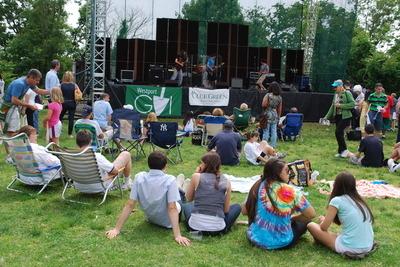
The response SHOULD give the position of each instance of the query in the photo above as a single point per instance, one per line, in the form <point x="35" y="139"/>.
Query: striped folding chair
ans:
<point x="97" y="144"/>
<point x="81" y="171"/>
<point x="27" y="169"/>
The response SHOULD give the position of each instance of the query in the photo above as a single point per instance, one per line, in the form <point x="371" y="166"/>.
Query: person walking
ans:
<point x="340" y="110"/>
<point x="272" y="104"/>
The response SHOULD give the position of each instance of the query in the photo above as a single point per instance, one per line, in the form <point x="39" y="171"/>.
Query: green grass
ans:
<point x="45" y="231"/>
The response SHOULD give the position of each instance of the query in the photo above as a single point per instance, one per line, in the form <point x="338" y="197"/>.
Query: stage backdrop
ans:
<point x="164" y="101"/>
<point x="312" y="105"/>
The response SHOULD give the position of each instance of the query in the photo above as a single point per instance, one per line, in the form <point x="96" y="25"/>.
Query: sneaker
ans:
<point x="281" y="155"/>
<point x="344" y="153"/>
<point x="127" y="185"/>
<point x="337" y="155"/>
<point x="180" y="179"/>
<point x="392" y="165"/>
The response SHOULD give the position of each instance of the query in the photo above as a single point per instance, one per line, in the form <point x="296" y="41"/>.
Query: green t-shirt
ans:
<point x="377" y="100"/>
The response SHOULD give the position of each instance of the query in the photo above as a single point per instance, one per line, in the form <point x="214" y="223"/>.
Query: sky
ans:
<point x="162" y="8"/>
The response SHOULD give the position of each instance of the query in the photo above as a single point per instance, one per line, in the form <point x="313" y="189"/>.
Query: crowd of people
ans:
<point x="278" y="214"/>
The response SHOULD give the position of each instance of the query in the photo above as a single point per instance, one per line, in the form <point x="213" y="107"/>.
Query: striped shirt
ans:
<point x="377" y="100"/>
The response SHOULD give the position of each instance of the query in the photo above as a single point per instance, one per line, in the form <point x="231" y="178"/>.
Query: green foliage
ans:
<point x="78" y="34"/>
<point x="43" y="38"/>
<point x="257" y="20"/>
<point x="332" y="44"/>
<point x="45" y="231"/>
<point x="12" y="18"/>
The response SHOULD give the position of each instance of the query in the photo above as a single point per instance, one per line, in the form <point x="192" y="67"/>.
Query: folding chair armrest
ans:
<point x="49" y="145"/>
<point x="112" y="176"/>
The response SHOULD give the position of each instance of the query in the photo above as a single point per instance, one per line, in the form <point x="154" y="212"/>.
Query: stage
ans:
<point x="312" y="105"/>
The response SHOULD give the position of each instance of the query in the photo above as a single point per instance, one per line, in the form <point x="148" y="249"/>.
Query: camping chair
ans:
<point x="127" y="127"/>
<point x="98" y="145"/>
<point x="28" y="171"/>
<point x="292" y="128"/>
<point x="165" y="135"/>
<point x="200" y="121"/>
<point x="81" y="167"/>
<point x="212" y="126"/>
<point x="241" y="118"/>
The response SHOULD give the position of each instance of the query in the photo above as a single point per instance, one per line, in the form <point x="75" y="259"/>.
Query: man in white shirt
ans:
<point x="108" y="169"/>
<point x="51" y="76"/>
<point x="157" y="194"/>
<point x="86" y="119"/>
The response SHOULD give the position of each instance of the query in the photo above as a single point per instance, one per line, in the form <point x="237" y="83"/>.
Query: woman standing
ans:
<point x="211" y="211"/>
<point x="342" y="104"/>
<point x="270" y="209"/>
<point x="68" y="87"/>
<point x="272" y="104"/>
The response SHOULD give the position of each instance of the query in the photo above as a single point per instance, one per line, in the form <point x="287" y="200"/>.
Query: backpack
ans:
<point x="300" y="172"/>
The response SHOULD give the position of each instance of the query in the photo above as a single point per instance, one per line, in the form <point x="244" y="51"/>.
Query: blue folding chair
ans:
<point x="127" y="128"/>
<point x="165" y="135"/>
<point x="292" y="128"/>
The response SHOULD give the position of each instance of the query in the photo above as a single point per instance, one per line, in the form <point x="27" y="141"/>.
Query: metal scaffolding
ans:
<point x="95" y="56"/>
<point x="309" y="40"/>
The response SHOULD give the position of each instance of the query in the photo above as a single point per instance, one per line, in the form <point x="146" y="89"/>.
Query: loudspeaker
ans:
<point x="171" y="83"/>
<point x="222" y="85"/>
<point x="156" y="75"/>
<point x="237" y="83"/>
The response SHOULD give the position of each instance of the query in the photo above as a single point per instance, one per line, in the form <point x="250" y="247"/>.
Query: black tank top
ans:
<point x="68" y="90"/>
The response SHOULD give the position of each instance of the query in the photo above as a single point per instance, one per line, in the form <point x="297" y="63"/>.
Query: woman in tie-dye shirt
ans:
<point x="270" y="206"/>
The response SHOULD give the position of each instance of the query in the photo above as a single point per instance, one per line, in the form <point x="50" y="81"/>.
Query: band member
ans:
<point x="264" y="70"/>
<point x="178" y="66"/>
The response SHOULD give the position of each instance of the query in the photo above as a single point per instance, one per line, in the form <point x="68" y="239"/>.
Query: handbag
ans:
<point x="300" y="172"/>
<point x="263" y="120"/>
<point x="77" y="94"/>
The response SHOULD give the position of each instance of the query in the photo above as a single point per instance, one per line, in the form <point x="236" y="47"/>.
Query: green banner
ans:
<point x="164" y="101"/>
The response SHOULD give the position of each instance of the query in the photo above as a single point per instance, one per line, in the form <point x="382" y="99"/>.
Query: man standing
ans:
<point x="228" y="144"/>
<point x="102" y="111"/>
<point x="264" y="70"/>
<point x="178" y="66"/>
<point x="13" y="100"/>
<point x="51" y="76"/>
<point x="377" y="104"/>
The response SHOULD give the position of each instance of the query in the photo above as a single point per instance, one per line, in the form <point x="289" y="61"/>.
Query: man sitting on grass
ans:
<point x="108" y="170"/>
<point x="157" y="194"/>
<point x="372" y="148"/>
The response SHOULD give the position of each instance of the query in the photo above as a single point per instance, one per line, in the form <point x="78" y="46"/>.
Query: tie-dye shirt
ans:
<point x="271" y="228"/>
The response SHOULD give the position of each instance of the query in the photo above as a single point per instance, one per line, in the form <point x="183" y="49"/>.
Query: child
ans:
<point x="372" y="148"/>
<point x="346" y="208"/>
<point x="259" y="153"/>
<point x="151" y="117"/>
<point x="277" y="212"/>
<point x="188" y="122"/>
<point x="52" y="121"/>
<point x="211" y="211"/>
<point x="157" y="194"/>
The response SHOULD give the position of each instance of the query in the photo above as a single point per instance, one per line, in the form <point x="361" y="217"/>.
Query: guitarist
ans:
<point x="180" y="61"/>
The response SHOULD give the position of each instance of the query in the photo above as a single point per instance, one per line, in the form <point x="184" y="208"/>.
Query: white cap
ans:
<point x="357" y="88"/>
<point x="128" y="106"/>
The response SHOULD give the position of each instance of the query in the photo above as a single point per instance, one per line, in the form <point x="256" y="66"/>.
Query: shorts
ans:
<point x="262" y="154"/>
<point x="340" y="248"/>
<point x="13" y="119"/>
<point x="394" y="116"/>
<point x="54" y="131"/>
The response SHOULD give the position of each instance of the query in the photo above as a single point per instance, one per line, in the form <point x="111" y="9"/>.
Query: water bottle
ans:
<point x="314" y="176"/>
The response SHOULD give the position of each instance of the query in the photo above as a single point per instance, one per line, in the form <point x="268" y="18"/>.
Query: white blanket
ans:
<point x="242" y="184"/>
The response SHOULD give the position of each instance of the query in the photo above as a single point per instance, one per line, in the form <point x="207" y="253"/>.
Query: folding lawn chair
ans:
<point x="28" y="171"/>
<point x="292" y="128"/>
<point x="242" y="118"/>
<point x="127" y="128"/>
<point x="212" y="126"/>
<point x="81" y="171"/>
<point x="97" y="144"/>
<point x="165" y="135"/>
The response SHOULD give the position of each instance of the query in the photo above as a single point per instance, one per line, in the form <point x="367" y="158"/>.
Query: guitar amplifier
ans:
<point x="156" y="74"/>
<point x="237" y="83"/>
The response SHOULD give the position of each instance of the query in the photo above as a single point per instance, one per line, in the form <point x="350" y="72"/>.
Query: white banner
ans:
<point x="205" y="97"/>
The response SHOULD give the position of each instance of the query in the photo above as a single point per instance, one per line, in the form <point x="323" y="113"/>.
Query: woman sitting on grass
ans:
<point x="259" y="153"/>
<point x="210" y="212"/>
<point x="347" y="208"/>
<point x="270" y="206"/>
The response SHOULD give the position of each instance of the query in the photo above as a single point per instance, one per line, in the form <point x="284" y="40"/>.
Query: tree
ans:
<point x="258" y="21"/>
<point x="43" y="37"/>
<point x="12" y="18"/>
<point x="380" y="19"/>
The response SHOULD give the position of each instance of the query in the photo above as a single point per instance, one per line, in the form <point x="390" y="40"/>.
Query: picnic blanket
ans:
<point x="242" y="184"/>
<point x="367" y="189"/>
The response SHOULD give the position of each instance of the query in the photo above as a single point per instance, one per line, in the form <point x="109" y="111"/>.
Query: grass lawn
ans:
<point x="45" y="231"/>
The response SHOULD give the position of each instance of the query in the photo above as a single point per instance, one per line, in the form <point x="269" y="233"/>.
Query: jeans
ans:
<point x="341" y="125"/>
<point x="376" y="119"/>
<point x="298" y="229"/>
<point x="230" y="217"/>
<point x="270" y="134"/>
<point x="177" y="74"/>
<point x="69" y="106"/>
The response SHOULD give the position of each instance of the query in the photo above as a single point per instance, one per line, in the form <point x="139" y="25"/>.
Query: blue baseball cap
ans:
<point x="337" y="83"/>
